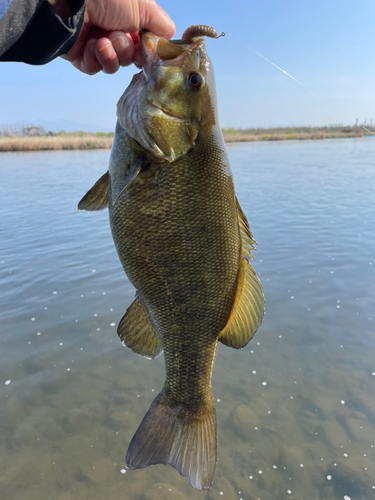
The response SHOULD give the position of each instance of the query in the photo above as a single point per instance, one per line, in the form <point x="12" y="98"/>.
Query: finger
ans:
<point x="157" y="21"/>
<point x="138" y="60"/>
<point x="123" y="46"/>
<point x="106" y="55"/>
<point x="138" y="56"/>
<point x="87" y="62"/>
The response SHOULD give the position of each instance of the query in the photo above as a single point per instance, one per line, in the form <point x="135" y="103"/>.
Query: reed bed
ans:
<point x="41" y="143"/>
<point x="54" y="143"/>
<point x="241" y="137"/>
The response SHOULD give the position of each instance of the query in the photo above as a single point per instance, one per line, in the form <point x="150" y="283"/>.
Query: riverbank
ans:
<point x="244" y="137"/>
<point x="91" y="141"/>
<point x="41" y="143"/>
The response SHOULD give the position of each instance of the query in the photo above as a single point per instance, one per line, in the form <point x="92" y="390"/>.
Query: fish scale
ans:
<point x="183" y="242"/>
<point x="191" y="269"/>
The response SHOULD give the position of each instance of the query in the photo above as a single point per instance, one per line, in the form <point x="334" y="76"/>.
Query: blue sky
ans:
<point x="326" y="45"/>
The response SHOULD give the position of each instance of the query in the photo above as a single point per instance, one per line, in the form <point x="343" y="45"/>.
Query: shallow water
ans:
<point x="295" y="408"/>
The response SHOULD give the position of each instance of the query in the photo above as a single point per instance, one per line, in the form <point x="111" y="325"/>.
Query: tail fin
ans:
<point x="177" y="436"/>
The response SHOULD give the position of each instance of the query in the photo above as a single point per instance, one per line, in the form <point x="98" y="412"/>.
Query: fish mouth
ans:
<point x="160" y="51"/>
<point x="148" y="42"/>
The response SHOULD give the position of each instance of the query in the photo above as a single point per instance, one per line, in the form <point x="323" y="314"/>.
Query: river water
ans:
<point x="295" y="408"/>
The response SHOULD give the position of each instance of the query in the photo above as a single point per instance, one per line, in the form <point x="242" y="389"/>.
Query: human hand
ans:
<point x="109" y="35"/>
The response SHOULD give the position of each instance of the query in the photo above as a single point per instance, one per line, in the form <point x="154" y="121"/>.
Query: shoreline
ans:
<point x="90" y="142"/>
<point x="46" y="143"/>
<point x="299" y="136"/>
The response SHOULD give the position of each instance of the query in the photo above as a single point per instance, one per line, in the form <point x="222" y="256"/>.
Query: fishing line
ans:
<point x="295" y="79"/>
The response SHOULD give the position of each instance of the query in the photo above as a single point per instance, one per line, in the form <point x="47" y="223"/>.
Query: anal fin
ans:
<point x="136" y="332"/>
<point x="248" y="307"/>
<point x="97" y="197"/>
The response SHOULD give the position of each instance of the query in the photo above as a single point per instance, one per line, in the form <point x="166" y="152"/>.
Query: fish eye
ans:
<point x="195" y="81"/>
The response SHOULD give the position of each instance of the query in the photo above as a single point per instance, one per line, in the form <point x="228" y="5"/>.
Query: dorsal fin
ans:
<point x="248" y="307"/>
<point x="136" y="332"/>
<point x="246" y="237"/>
<point x="97" y="197"/>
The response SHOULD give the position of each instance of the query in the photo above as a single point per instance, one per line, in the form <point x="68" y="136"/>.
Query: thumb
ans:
<point x="156" y="20"/>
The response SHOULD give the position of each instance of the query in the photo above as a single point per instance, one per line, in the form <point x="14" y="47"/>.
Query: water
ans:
<point x="295" y="408"/>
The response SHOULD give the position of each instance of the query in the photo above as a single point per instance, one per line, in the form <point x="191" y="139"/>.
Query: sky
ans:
<point x="327" y="45"/>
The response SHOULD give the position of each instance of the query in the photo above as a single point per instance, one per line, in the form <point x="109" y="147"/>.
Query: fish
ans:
<point x="184" y="243"/>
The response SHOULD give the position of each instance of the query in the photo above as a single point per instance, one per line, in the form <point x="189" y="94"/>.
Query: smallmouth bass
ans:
<point x="184" y="244"/>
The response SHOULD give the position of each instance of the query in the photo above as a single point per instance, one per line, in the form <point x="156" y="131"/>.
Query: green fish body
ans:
<point x="184" y="244"/>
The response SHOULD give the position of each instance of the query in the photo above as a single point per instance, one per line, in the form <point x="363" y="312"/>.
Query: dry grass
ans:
<point x="54" y="143"/>
<point x="94" y="142"/>
<point x="241" y="137"/>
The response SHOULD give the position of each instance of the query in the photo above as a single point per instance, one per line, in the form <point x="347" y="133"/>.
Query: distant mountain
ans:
<point x="55" y="126"/>
<point x="70" y="126"/>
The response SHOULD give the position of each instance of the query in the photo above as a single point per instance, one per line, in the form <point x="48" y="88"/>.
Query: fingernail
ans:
<point x="119" y="43"/>
<point x="106" y="50"/>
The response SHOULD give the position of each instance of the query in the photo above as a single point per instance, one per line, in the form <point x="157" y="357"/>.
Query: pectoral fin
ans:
<point x="131" y="175"/>
<point x="136" y="332"/>
<point x="248" y="307"/>
<point x="97" y="197"/>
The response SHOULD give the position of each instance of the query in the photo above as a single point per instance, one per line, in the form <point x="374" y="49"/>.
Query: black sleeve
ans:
<point x="31" y="31"/>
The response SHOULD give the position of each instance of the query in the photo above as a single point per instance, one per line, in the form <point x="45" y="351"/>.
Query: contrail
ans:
<point x="295" y="79"/>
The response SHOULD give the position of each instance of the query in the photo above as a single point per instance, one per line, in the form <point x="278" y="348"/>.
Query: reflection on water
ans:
<point x="295" y="408"/>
